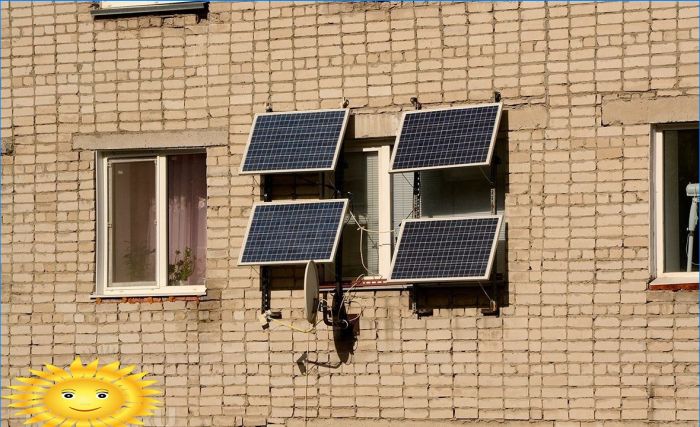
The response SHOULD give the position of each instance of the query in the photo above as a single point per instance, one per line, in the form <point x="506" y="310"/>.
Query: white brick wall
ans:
<point x="581" y="340"/>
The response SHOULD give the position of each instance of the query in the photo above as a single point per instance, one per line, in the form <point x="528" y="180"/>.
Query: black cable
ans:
<point x="330" y="186"/>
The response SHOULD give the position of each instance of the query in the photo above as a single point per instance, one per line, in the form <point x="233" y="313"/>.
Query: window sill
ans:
<point x="383" y="285"/>
<point x="674" y="284"/>
<point x="194" y="291"/>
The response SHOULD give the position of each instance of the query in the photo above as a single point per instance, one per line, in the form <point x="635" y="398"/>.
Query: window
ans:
<point x="124" y="8"/>
<point x="367" y="250"/>
<point x="151" y="224"/>
<point x="453" y="147"/>
<point x="380" y="201"/>
<point x="675" y="166"/>
<point x="115" y="4"/>
<point x="465" y="191"/>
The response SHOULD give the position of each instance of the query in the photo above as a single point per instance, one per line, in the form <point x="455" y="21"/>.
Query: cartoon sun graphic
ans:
<point x="87" y="396"/>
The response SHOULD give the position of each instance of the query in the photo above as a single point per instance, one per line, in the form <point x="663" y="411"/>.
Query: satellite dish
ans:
<point x="311" y="292"/>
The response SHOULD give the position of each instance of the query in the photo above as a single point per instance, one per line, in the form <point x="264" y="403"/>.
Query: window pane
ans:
<point x="361" y="180"/>
<point x="680" y="168"/>
<point x="187" y="219"/>
<point x="443" y="192"/>
<point x="402" y="200"/>
<point x="464" y="191"/>
<point x="133" y="219"/>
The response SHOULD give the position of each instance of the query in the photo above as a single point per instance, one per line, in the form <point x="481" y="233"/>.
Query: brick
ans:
<point x="580" y="341"/>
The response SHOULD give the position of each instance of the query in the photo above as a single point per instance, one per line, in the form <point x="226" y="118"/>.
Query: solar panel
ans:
<point x="445" y="249"/>
<point x="293" y="232"/>
<point x="446" y="138"/>
<point x="299" y="141"/>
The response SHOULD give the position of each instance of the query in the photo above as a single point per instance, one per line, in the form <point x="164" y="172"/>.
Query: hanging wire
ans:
<point x="363" y="230"/>
<point x="367" y="230"/>
<point x="362" y="258"/>
<point x="491" y="300"/>
<point x="306" y="386"/>
<point x="349" y="297"/>
<point x="291" y="326"/>
<point x="485" y="176"/>
<point x="296" y="328"/>
<point x="403" y="175"/>
<point x="326" y="185"/>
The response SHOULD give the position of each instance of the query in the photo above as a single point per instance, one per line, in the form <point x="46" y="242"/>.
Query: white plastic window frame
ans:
<point x="160" y="288"/>
<point x="124" y="8"/>
<point x="657" y="250"/>
<point x="384" y="215"/>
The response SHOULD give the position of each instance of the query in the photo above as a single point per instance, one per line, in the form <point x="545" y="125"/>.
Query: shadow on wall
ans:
<point x="344" y="342"/>
<point x="426" y="298"/>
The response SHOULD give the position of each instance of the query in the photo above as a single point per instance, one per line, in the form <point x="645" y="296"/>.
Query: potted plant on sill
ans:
<point x="138" y="261"/>
<point x="182" y="269"/>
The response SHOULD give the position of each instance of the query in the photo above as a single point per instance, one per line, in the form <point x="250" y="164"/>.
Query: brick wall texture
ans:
<point x="581" y="341"/>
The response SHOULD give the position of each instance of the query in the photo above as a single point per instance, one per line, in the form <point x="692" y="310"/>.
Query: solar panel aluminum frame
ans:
<point x="491" y="145"/>
<point x="335" y="155"/>
<point x="298" y="202"/>
<point x="489" y="266"/>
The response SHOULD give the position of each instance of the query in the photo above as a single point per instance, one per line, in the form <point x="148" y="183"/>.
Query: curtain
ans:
<point x="133" y="218"/>
<point x="187" y="212"/>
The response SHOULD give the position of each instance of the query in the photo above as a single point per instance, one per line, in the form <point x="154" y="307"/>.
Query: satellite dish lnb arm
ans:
<point x="328" y="320"/>
<point x="332" y="318"/>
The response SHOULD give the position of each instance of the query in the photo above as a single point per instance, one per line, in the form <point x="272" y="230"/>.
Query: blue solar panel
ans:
<point x="439" y="250"/>
<point x="293" y="232"/>
<point x="294" y="142"/>
<point x="446" y="138"/>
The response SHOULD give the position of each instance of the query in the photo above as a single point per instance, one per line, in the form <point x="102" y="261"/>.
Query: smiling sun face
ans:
<point x="84" y="399"/>
<point x="87" y="396"/>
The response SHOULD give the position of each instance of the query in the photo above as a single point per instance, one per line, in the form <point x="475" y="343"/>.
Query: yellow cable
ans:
<point x="292" y="327"/>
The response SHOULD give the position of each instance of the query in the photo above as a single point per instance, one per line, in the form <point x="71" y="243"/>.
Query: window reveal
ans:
<point x="680" y="168"/>
<point x="151" y="224"/>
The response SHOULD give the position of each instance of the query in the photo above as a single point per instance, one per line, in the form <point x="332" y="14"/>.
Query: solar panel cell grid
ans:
<point x="291" y="233"/>
<point x="299" y="141"/>
<point x="446" y="138"/>
<point x="446" y="249"/>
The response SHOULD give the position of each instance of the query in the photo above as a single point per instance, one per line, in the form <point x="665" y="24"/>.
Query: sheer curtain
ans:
<point x="133" y="218"/>
<point x="187" y="212"/>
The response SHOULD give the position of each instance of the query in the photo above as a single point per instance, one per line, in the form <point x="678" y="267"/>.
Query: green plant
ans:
<point x="183" y="267"/>
<point x="138" y="260"/>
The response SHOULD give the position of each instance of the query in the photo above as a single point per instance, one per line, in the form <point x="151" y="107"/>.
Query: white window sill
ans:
<point x="675" y="280"/>
<point x="145" y="293"/>
<point x="675" y="283"/>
